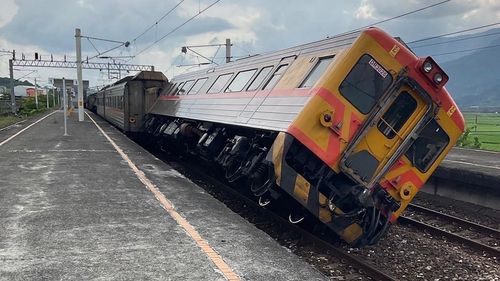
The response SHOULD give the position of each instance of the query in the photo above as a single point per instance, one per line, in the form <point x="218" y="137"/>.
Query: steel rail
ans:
<point x="369" y="269"/>
<point x="454" y="219"/>
<point x="444" y="233"/>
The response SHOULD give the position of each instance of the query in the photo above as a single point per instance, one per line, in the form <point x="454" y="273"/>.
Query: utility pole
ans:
<point x="228" y="50"/>
<point x="12" y="94"/>
<point x="47" y="97"/>
<point x="36" y="95"/>
<point x="78" y="38"/>
<point x="53" y="97"/>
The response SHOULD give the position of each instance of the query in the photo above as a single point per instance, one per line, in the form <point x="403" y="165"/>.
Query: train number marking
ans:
<point x="378" y="68"/>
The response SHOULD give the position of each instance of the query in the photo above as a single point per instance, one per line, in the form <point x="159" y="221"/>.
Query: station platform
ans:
<point x="87" y="207"/>
<point x="469" y="175"/>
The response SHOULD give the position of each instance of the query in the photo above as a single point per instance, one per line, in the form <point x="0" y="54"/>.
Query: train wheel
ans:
<point x="234" y="169"/>
<point x="262" y="179"/>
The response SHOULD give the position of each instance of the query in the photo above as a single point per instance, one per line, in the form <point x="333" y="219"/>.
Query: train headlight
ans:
<point x="438" y="78"/>
<point x="427" y="67"/>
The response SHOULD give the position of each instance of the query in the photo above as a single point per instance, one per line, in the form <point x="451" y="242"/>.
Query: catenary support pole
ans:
<point x="36" y="95"/>
<point x="228" y="50"/>
<point x="78" y="39"/>
<point x="12" y="94"/>
<point x="65" y="107"/>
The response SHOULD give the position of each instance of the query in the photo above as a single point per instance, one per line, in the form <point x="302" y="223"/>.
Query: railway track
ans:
<point x="273" y="219"/>
<point x="474" y="235"/>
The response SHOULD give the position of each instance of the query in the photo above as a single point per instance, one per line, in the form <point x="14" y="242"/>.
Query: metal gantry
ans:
<point x="68" y="64"/>
<point x="85" y="65"/>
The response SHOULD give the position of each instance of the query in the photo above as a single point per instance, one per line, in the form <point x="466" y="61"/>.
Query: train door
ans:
<point x="384" y="134"/>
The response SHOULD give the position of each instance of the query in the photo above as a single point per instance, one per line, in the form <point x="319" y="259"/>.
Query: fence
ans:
<point x="486" y="127"/>
<point x="5" y="106"/>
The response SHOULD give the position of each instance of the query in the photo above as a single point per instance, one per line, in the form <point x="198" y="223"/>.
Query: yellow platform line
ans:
<point x="181" y="221"/>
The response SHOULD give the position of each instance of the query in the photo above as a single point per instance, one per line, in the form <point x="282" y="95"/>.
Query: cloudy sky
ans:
<point x="254" y="26"/>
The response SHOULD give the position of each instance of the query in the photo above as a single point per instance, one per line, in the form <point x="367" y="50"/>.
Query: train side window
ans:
<point x="276" y="76"/>
<point x="428" y="146"/>
<point x="177" y="90"/>
<point x="170" y="90"/>
<point x="259" y="78"/>
<point x="240" y="80"/>
<point x="197" y="86"/>
<point x="316" y="72"/>
<point x="219" y="83"/>
<point x="187" y="86"/>
<point x="365" y="84"/>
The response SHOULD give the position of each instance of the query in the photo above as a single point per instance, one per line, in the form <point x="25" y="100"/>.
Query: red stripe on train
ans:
<point x="297" y="92"/>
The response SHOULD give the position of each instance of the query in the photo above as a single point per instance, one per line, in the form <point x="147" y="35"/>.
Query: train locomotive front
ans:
<point x="350" y="127"/>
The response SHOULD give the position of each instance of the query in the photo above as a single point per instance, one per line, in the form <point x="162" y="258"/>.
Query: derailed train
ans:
<point x="349" y="127"/>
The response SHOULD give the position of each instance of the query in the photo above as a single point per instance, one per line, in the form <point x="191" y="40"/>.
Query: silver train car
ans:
<point x="125" y="103"/>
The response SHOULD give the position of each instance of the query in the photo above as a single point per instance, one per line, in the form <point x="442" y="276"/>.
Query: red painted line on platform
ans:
<point x="181" y="221"/>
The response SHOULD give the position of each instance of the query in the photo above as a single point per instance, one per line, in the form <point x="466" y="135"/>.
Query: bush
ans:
<point x="466" y="141"/>
<point x="28" y="105"/>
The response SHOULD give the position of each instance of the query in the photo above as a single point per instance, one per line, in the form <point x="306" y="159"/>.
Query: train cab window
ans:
<point x="197" y="86"/>
<point x="177" y="89"/>
<point x="259" y="78"/>
<point x="428" y="146"/>
<point x="187" y="86"/>
<point x="276" y="76"/>
<point x="316" y="72"/>
<point x="397" y="115"/>
<point x="365" y="84"/>
<point x="219" y="84"/>
<point x="240" y="81"/>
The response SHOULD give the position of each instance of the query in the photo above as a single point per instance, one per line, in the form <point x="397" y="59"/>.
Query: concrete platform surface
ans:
<point x="71" y="208"/>
<point x="469" y="175"/>
<point x="474" y="160"/>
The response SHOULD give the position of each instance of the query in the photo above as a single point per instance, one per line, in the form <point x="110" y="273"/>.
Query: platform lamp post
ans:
<point x="65" y="107"/>
<point x="53" y="97"/>
<point x="47" y="97"/>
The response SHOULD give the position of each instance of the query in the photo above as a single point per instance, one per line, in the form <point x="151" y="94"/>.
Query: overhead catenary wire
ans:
<point x="176" y="28"/>
<point x="453" y="33"/>
<point x="159" y="20"/>
<point x="468" y="50"/>
<point x="398" y="16"/>
<point x="456" y="40"/>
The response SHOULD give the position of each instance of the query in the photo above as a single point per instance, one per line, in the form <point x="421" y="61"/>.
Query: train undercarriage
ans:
<point x="278" y="168"/>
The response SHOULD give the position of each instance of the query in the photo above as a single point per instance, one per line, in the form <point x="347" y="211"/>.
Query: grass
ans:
<point x="7" y="120"/>
<point x="486" y="127"/>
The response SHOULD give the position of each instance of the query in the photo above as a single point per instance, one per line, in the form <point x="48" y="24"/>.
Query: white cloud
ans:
<point x="9" y="11"/>
<point x="365" y="11"/>
<point x="255" y="26"/>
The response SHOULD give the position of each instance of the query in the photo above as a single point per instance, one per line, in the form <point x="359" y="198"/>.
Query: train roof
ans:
<point x="143" y="75"/>
<point x="331" y="43"/>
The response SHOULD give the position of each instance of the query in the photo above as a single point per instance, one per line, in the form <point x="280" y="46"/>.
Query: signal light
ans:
<point x="427" y="67"/>
<point x="433" y="72"/>
<point x="438" y="78"/>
